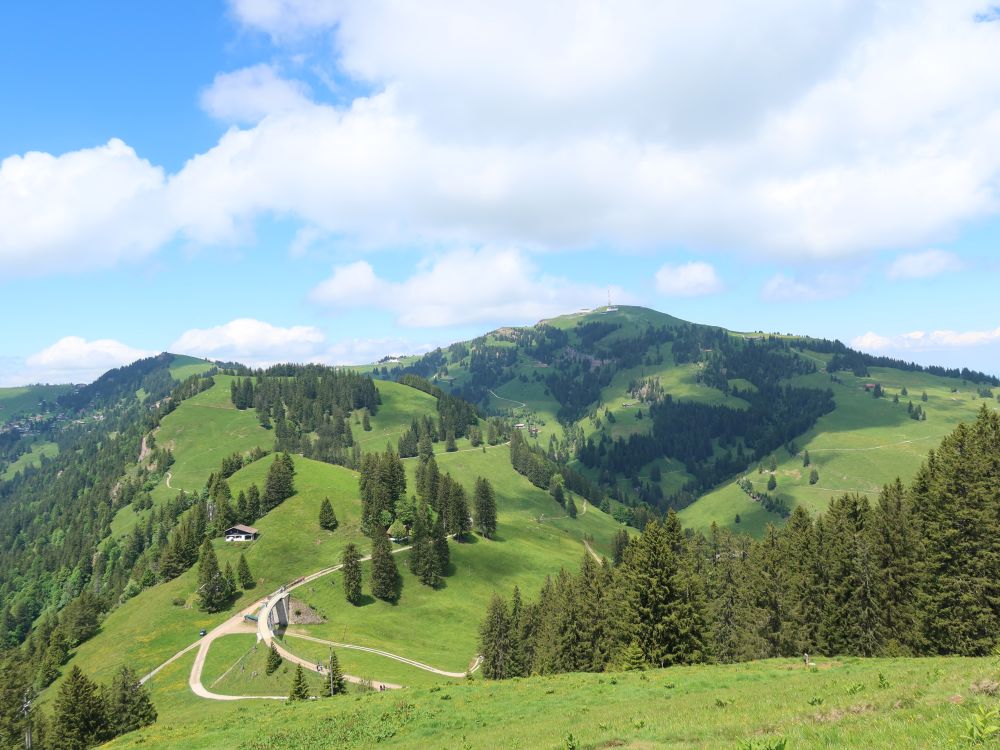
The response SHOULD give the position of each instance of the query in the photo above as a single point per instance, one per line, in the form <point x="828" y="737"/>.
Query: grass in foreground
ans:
<point x="843" y="703"/>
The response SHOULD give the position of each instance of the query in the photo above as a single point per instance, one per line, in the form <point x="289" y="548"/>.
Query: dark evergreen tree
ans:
<point x="279" y="485"/>
<point x="273" y="660"/>
<point x="485" y="508"/>
<point x="80" y="719"/>
<point x="384" y="575"/>
<point x="570" y="506"/>
<point x="129" y="706"/>
<point x="243" y="572"/>
<point x="351" y="562"/>
<point x="327" y="518"/>
<point x="334" y="683"/>
<point x="620" y="543"/>
<point x="213" y="587"/>
<point x="441" y="551"/>
<point x="300" y="688"/>
<point x="495" y="641"/>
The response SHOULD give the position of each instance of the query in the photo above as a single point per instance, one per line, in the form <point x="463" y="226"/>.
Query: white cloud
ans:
<point x="250" y="94"/>
<point x="693" y="279"/>
<point x="73" y="359"/>
<point x="821" y="286"/>
<point x="813" y="132"/>
<point x="463" y="286"/>
<point x="252" y="342"/>
<point x="919" y="341"/>
<point x="89" y="208"/>
<point x="924" y="265"/>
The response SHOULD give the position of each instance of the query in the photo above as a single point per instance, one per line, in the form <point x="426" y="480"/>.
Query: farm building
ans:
<point x="241" y="533"/>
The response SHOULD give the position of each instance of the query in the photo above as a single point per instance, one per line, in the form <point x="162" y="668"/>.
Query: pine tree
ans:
<point x="772" y="483"/>
<point x="423" y="558"/>
<point x="335" y="683"/>
<point x="620" y="543"/>
<point x="80" y="718"/>
<point x="485" y="508"/>
<point x="805" y="458"/>
<point x="213" y="588"/>
<point x="495" y="640"/>
<point x="450" y="442"/>
<point x="459" y="522"/>
<point x="300" y="688"/>
<point x="273" y="660"/>
<point x="631" y="658"/>
<point x="366" y="423"/>
<point x="279" y="485"/>
<point x="128" y="703"/>
<point x="253" y="503"/>
<point x="813" y="475"/>
<point x="243" y="572"/>
<point x="231" y="584"/>
<point x="350" y="559"/>
<point x="327" y="518"/>
<point x="570" y="506"/>
<point x="441" y="550"/>
<point x="384" y="575"/>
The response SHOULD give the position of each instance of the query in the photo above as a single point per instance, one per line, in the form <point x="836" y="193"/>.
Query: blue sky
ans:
<point x="267" y="180"/>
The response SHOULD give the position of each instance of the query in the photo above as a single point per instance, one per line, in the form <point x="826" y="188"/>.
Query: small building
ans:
<point x="520" y="426"/>
<point x="241" y="533"/>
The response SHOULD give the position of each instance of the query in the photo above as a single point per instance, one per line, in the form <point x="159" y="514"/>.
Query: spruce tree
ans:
<point x="772" y="483"/>
<point x="494" y="640"/>
<point x="273" y="660"/>
<point x="128" y="703"/>
<point x="459" y="522"/>
<point x="213" y="588"/>
<point x="243" y="572"/>
<point x="805" y="458"/>
<point x="485" y="508"/>
<point x="366" y="423"/>
<point x="384" y="575"/>
<point x="279" y="485"/>
<point x="570" y="507"/>
<point x="351" y="561"/>
<point x="327" y="518"/>
<point x="335" y="683"/>
<point x="80" y="718"/>
<point x="254" y="510"/>
<point x="441" y="550"/>
<point x="300" y="688"/>
<point x="231" y="583"/>
<point x="450" y="442"/>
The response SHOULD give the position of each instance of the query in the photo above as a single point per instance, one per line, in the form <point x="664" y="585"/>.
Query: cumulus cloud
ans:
<point x="693" y="279"/>
<point x="85" y="209"/>
<point x="251" y="341"/>
<point x="463" y="286"/>
<point x="919" y="341"/>
<point x="72" y="359"/>
<point x="863" y="127"/>
<point x="924" y="265"/>
<point x="250" y="94"/>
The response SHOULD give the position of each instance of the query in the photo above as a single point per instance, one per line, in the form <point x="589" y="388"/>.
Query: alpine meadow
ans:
<point x="530" y="375"/>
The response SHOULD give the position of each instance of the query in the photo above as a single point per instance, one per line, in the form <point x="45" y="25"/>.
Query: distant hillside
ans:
<point x="669" y="413"/>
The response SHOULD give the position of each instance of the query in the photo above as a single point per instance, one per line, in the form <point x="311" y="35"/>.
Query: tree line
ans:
<point x="917" y="572"/>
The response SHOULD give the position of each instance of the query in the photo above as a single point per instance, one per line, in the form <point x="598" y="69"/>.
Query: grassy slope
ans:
<point x="31" y="458"/>
<point x="860" y="446"/>
<point x="925" y="704"/>
<point x="21" y="400"/>
<point x="149" y="628"/>
<point x="525" y="551"/>
<point x="182" y="367"/>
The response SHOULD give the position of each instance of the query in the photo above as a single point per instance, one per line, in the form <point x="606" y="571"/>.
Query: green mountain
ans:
<point x="673" y="414"/>
<point x="113" y="552"/>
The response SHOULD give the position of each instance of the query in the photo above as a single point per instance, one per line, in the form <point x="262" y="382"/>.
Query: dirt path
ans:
<point x="413" y="663"/>
<point x="591" y="550"/>
<point x="501" y="398"/>
<point x="874" y="447"/>
<point x="235" y="624"/>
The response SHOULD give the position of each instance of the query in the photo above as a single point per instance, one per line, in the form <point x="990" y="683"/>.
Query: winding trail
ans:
<point x="419" y="665"/>
<point x="875" y="447"/>
<point x="263" y="607"/>
<point x="501" y="398"/>
<point x="591" y="550"/>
